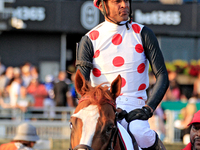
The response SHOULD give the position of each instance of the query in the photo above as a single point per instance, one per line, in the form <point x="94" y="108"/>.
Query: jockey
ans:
<point x="120" y="46"/>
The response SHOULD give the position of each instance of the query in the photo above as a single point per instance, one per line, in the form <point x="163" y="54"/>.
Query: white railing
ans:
<point x="45" y="130"/>
<point x="48" y="127"/>
<point x="173" y="134"/>
<point x="58" y="126"/>
<point x="55" y="113"/>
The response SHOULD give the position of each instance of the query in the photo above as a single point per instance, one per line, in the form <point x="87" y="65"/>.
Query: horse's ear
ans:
<point x="80" y="84"/>
<point x="115" y="88"/>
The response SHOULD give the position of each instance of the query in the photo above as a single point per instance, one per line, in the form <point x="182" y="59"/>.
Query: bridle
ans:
<point x="114" y="132"/>
<point x="111" y="143"/>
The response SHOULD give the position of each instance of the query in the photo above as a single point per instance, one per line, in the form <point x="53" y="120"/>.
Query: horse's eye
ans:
<point x="109" y="129"/>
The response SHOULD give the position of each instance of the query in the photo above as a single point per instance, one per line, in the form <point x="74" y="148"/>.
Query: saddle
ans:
<point x="127" y="140"/>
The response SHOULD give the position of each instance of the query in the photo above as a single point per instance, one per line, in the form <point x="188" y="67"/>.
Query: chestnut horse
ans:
<point x="93" y="124"/>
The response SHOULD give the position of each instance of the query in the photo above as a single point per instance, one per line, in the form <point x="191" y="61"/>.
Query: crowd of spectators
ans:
<point x="176" y="93"/>
<point x="21" y="89"/>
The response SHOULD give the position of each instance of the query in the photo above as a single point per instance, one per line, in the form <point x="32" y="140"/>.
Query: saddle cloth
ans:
<point x="126" y="138"/>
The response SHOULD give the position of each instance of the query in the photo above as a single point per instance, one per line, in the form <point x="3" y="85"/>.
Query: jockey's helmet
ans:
<point x="96" y="3"/>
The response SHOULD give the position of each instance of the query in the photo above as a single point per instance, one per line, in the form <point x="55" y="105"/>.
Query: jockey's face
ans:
<point x="117" y="10"/>
<point x="195" y="136"/>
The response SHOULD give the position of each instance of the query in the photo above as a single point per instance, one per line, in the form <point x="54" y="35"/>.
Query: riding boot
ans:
<point x="158" y="145"/>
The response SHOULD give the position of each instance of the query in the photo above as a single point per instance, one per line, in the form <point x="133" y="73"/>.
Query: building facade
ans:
<point x="45" y="33"/>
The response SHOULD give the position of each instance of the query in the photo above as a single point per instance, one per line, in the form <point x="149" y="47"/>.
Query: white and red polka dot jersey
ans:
<point x="120" y="51"/>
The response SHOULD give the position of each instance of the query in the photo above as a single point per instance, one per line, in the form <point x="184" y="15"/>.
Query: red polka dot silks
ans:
<point x="120" y="51"/>
<point x="117" y="39"/>
<point x="94" y="35"/>
<point x="96" y="54"/>
<point x="136" y="28"/>
<point x="118" y="61"/>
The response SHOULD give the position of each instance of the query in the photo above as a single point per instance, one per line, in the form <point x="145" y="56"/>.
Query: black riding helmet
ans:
<point x="96" y="4"/>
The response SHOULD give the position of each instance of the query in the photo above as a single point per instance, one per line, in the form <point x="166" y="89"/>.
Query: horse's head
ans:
<point x="93" y="121"/>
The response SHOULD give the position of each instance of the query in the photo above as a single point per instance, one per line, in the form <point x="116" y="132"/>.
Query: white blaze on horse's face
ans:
<point x="89" y="116"/>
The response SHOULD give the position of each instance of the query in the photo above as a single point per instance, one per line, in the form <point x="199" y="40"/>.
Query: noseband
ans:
<point x="114" y="132"/>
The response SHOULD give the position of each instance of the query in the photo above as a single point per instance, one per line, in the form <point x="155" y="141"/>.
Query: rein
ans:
<point x="113" y="138"/>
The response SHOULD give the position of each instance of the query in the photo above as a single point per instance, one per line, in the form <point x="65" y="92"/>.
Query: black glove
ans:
<point x="121" y="114"/>
<point x="140" y="114"/>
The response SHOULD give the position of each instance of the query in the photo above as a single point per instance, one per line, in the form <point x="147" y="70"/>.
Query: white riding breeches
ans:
<point x="144" y="136"/>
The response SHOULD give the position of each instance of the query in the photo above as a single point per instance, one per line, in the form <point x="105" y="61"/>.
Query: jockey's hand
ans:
<point x="121" y="114"/>
<point x="141" y="114"/>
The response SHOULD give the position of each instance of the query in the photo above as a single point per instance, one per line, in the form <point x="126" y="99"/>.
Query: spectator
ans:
<point x="14" y="90"/>
<point x="34" y="72"/>
<point x="186" y="94"/>
<point x="24" y="100"/>
<point x="6" y="78"/>
<point x="187" y="113"/>
<point x="71" y="94"/>
<point x="186" y="116"/>
<point x="49" y="85"/>
<point x="26" y="75"/>
<point x="5" y="104"/>
<point x="25" y="138"/>
<point x="173" y="93"/>
<point x="38" y="91"/>
<point x="49" y="101"/>
<point x="194" y="133"/>
<point x="17" y="72"/>
<point x="175" y="90"/>
<point x="60" y="90"/>
<point x="2" y="68"/>
<point x="196" y="86"/>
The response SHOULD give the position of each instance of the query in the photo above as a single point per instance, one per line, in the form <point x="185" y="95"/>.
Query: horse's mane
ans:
<point x="99" y="94"/>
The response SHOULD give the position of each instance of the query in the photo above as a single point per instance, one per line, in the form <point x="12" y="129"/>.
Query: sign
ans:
<point x="24" y="13"/>
<point x="89" y="15"/>
<point x="158" y="17"/>
<point x="32" y="13"/>
<point x="81" y="16"/>
<point x="5" y="14"/>
<point x="165" y="19"/>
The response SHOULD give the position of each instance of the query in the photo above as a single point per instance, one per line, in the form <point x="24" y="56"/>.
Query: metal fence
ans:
<point x="57" y="128"/>
<point x="44" y="113"/>
<point x="173" y="134"/>
<point x="46" y="130"/>
<point x="49" y="127"/>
